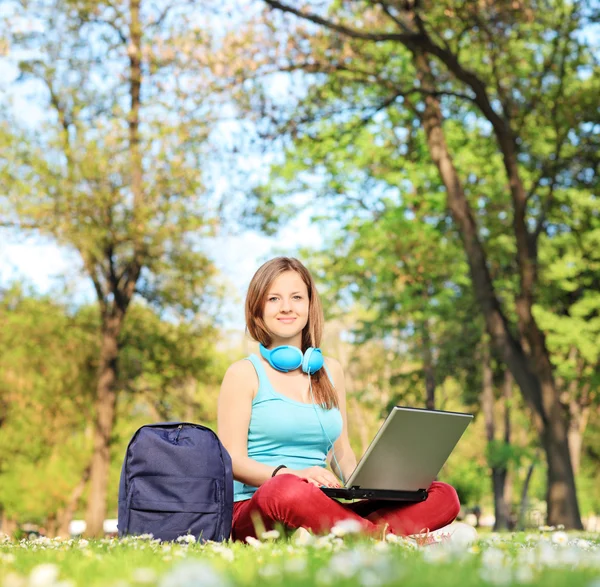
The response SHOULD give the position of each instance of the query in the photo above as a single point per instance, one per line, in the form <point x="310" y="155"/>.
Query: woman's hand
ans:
<point x="316" y="475"/>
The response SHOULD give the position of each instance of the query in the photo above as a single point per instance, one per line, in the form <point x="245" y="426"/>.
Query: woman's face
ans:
<point x="286" y="306"/>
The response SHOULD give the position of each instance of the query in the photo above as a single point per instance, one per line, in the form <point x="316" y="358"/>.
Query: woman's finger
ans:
<point x="330" y="481"/>
<point x="331" y="478"/>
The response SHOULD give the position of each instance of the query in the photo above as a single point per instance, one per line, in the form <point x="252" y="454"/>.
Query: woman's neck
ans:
<point x="295" y="341"/>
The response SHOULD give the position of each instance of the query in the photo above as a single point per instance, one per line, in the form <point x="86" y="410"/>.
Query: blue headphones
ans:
<point x="287" y="358"/>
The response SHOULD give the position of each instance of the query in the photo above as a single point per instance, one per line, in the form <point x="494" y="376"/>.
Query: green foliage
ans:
<point x="470" y="481"/>
<point x="500" y="454"/>
<point x="47" y="374"/>
<point x="48" y="367"/>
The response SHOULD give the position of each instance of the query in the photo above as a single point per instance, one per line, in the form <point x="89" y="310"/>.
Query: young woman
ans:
<point x="281" y="414"/>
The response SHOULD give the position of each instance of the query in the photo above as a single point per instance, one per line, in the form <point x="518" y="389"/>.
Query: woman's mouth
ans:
<point x="286" y="320"/>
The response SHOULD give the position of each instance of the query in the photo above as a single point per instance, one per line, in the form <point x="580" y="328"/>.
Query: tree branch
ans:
<point x="378" y="37"/>
<point x="386" y="8"/>
<point x="112" y="25"/>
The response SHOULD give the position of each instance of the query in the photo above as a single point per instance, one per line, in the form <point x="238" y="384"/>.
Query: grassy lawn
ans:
<point x="547" y="558"/>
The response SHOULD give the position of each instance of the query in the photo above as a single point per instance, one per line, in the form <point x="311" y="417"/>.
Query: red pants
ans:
<point x="294" y="502"/>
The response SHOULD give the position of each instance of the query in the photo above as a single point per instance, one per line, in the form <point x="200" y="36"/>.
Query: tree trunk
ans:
<point x="579" y="412"/>
<point x="428" y="369"/>
<point x="499" y="471"/>
<point x="501" y="507"/>
<point x="506" y="401"/>
<point x="524" y="499"/>
<point x="8" y="526"/>
<point x="533" y="377"/>
<point x="51" y="526"/>
<point x="65" y="515"/>
<point x="122" y="289"/>
<point x="577" y="425"/>
<point x="103" y="426"/>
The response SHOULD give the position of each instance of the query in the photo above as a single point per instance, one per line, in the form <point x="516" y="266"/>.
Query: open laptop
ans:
<point x="405" y="456"/>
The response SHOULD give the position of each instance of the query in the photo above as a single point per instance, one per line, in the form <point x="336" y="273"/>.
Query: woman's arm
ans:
<point x="344" y="455"/>
<point x="234" y="409"/>
<point x="233" y="419"/>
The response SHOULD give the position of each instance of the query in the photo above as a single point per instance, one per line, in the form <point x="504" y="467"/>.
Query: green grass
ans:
<point x="540" y="558"/>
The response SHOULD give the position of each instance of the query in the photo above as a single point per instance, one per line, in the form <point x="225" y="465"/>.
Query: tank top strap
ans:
<point x="264" y="385"/>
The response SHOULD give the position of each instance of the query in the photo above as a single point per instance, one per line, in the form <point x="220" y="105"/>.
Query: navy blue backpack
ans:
<point x="176" y="479"/>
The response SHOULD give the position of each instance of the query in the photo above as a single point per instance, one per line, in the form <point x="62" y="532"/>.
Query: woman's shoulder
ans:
<point x="241" y="368"/>
<point x="241" y="375"/>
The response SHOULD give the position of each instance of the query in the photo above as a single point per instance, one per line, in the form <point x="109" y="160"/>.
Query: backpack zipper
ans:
<point x="178" y="433"/>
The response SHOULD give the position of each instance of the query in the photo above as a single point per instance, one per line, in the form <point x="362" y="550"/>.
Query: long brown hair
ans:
<point x="258" y="289"/>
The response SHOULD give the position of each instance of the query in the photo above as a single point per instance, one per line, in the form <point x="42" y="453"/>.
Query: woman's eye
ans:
<point x="273" y="299"/>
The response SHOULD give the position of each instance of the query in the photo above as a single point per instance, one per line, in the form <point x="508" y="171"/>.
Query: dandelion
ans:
<point x="302" y="537"/>
<point x="43" y="575"/>
<point x="560" y="538"/>
<point x="146" y="536"/>
<point x="225" y="552"/>
<point x="345" y="564"/>
<point x="254" y="542"/>
<point x="393" y="539"/>
<point x="348" y="526"/>
<point x="324" y="542"/>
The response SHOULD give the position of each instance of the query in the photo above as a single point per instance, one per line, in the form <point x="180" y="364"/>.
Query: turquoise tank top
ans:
<point x="284" y="431"/>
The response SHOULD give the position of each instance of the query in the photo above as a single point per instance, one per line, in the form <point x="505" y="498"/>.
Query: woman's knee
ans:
<point x="445" y="494"/>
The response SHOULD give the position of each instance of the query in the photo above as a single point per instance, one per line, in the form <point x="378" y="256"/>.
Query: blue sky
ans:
<point x="47" y="266"/>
